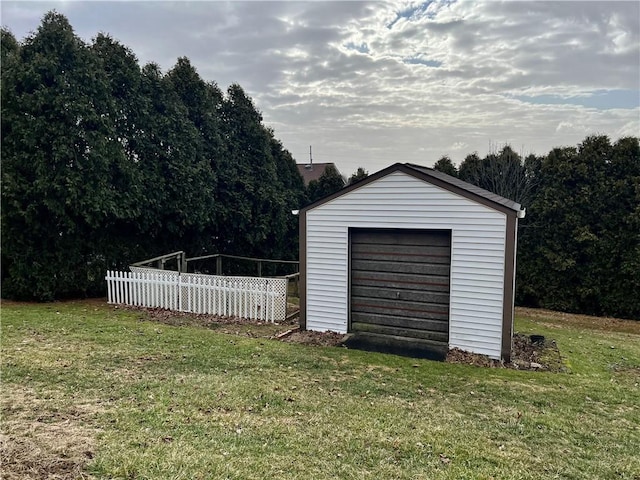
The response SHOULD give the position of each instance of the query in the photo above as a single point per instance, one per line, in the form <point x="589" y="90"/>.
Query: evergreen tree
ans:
<point x="58" y="145"/>
<point x="547" y="256"/>
<point x="104" y="163"/>
<point x="9" y="46"/>
<point x="284" y="236"/>
<point x="445" y="165"/>
<point x="329" y="182"/>
<point x="472" y="170"/>
<point x="248" y="177"/>
<point x="359" y="174"/>
<point x="178" y="178"/>
<point x="122" y="233"/>
<point x="620" y="246"/>
<point x="203" y="102"/>
<point x="579" y="249"/>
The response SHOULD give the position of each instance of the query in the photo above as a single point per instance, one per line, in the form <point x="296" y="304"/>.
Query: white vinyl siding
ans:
<point x="400" y="201"/>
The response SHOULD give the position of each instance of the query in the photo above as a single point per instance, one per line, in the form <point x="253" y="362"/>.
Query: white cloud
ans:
<point x="369" y="84"/>
<point x="460" y="146"/>
<point x="564" y="126"/>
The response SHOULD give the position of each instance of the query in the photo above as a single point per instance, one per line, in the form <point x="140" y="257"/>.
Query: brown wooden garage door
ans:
<point x="400" y="285"/>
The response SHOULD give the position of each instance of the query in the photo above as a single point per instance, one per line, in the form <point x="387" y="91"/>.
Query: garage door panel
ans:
<point x="433" y="325"/>
<point x="401" y="332"/>
<point x="402" y="253"/>
<point x="402" y="309"/>
<point x="383" y="237"/>
<point x="399" y="267"/>
<point x="431" y="283"/>
<point x="395" y="293"/>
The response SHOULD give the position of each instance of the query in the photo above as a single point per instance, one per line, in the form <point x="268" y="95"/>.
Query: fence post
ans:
<point x="109" y="289"/>
<point x="119" y="287"/>
<point x="219" y="265"/>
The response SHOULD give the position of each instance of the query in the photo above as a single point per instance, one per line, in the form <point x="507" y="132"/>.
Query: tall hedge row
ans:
<point x="105" y="162"/>
<point x="579" y="244"/>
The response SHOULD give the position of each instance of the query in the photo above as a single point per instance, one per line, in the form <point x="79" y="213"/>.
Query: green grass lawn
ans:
<point x="93" y="391"/>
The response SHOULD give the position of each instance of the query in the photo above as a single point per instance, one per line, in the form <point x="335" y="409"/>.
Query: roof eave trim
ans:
<point x="420" y="175"/>
<point x="349" y="188"/>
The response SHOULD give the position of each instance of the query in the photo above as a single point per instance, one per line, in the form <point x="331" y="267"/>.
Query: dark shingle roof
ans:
<point x="437" y="178"/>
<point x="465" y="186"/>
<point x="312" y="171"/>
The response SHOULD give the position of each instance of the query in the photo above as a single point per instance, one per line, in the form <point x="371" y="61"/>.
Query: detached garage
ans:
<point x="411" y="260"/>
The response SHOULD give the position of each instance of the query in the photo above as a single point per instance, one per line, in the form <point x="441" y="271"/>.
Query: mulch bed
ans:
<point x="527" y="354"/>
<point x="305" y="337"/>
<point x="170" y="317"/>
<point x="537" y="354"/>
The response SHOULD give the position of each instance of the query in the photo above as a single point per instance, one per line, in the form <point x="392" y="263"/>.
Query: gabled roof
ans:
<point x="467" y="186"/>
<point x="437" y="178"/>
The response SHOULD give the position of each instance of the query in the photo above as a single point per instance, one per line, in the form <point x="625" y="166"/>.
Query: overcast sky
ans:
<point x="373" y="83"/>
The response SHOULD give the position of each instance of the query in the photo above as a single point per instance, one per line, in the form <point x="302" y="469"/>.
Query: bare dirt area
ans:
<point x="222" y="324"/>
<point x="528" y="354"/>
<point x="287" y="331"/>
<point x="537" y="354"/>
<point x="41" y="442"/>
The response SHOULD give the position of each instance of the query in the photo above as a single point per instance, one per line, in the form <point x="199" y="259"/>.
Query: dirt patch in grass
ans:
<point x="222" y="324"/>
<point x="528" y="354"/>
<point x="325" y="339"/>
<point x="539" y="354"/>
<point x="286" y="331"/>
<point x="42" y="441"/>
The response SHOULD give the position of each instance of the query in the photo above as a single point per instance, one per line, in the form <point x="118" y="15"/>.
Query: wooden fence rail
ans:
<point x="245" y="297"/>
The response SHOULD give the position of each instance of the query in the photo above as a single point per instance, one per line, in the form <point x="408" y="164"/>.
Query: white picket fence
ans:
<point x="245" y="297"/>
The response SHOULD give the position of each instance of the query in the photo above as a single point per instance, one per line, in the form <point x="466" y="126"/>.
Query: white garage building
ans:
<point x="411" y="260"/>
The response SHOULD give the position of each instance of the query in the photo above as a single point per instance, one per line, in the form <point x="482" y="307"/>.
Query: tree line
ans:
<point x="579" y="244"/>
<point x="105" y="162"/>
